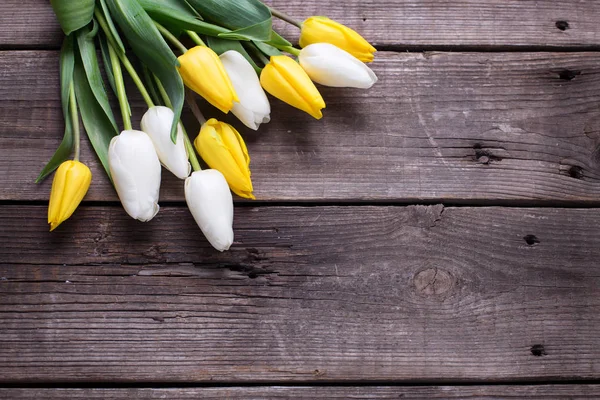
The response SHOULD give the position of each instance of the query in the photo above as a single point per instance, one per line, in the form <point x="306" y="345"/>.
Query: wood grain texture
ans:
<point x="306" y="294"/>
<point x="548" y="392"/>
<point x="438" y="126"/>
<point x="402" y="23"/>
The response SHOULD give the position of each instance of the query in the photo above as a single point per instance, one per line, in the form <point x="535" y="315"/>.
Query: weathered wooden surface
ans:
<point x="549" y="392"/>
<point x="305" y="294"/>
<point x="398" y="23"/>
<point x="438" y="126"/>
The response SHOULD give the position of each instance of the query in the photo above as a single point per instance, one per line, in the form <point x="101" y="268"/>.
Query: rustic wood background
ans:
<point x="435" y="237"/>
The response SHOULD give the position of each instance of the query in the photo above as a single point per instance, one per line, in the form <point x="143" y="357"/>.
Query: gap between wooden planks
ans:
<point x="400" y="23"/>
<point x="549" y="392"/>
<point x="453" y="127"/>
<point x="315" y="294"/>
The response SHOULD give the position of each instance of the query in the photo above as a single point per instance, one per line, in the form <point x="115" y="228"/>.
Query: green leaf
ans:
<point x="277" y="40"/>
<point x="106" y="62"/>
<point x="98" y="126"/>
<point x="73" y="14"/>
<point x="149" y="46"/>
<point x="179" y="17"/>
<point x="248" y="19"/>
<point x="87" y="52"/>
<point x="67" y="63"/>
<point x="112" y="28"/>
<point x="267" y="49"/>
<point x="220" y="46"/>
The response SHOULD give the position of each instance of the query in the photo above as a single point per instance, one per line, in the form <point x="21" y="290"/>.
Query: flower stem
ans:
<point x="74" y="120"/>
<point x="138" y="81"/>
<point x="196" y="38"/>
<point x="259" y="54"/>
<point x="189" y="98"/>
<point x="186" y="139"/>
<point x="285" y="17"/>
<point x="289" y="49"/>
<point x="120" y="84"/>
<point x="170" y="37"/>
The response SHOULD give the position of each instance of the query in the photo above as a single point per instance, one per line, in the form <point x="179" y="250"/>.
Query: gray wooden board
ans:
<point x="402" y="294"/>
<point x="546" y="392"/>
<point x="438" y="126"/>
<point x="403" y="23"/>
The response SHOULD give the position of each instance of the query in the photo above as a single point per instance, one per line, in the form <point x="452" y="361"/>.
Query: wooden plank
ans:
<point x="394" y="294"/>
<point x="402" y="23"/>
<point x="546" y="392"/>
<point x="451" y="126"/>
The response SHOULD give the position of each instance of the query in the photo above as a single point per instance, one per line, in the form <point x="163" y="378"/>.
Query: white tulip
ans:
<point x="157" y="124"/>
<point x="135" y="171"/>
<point x="209" y="199"/>
<point x="253" y="108"/>
<point x="331" y="66"/>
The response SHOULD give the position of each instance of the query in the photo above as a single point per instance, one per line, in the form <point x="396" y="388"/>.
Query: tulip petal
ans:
<point x="70" y="185"/>
<point x="203" y="72"/>
<point x="285" y="79"/>
<point x="253" y="107"/>
<point x="156" y="123"/>
<point x="223" y="149"/>
<point x="135" y="169"/>
<point x="331" y="66"/>
<point x="209" y="200"/>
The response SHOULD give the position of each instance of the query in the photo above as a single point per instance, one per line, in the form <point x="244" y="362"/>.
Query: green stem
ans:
<point x="104" y="25"/>
<point x="170" y="37"/>
<point x="120" y="84"/>
<point x="289" y="49"/>
<point x="74" y="120"/>
<point x="196" y="38"/>
<point x="189" y="98"/>
<point x="137" y="80"/>
<point x="186" y="139"/>
<point x="285" y="17"/>
<point x="259" y="54"/>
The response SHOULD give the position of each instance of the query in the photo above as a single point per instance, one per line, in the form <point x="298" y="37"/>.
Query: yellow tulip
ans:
<point x="71" y="183"/>
<point x="325" y="30"/>
<point x="285" y="79"/>
<point x="223" y="149"/>
<point x="203" y="72"/>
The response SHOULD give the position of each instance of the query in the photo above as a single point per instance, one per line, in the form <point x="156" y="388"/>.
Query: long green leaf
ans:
<point x="267" y="49"/>
<point x="277" y="40"/>
<point x="248" y="19"/>
<point x="73" y="14"/>
<point x="150" y="47"/>
<point x="112" y="28"/>
<point x="67" y="63"/>
<point x="87" y="52"/>
<point x="178" y="17"/>
<point x="99" y="128"/>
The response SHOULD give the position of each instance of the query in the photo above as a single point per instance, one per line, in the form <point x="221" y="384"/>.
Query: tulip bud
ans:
<point x="203" y="72"/>
<point x="157" y="123"/>
<point x="253" y="108"/>
<point x="285" y="79"/>
<point x="135" y="171"/>
<point x="71" y="183"/>
<point x="331" y="66"/>
<point x="223" y="149"/>
<point x="209" y="200"/>
<point x="325" y="30"/>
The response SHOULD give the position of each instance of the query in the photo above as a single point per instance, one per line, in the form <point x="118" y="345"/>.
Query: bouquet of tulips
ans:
<point x="236" y="58"/>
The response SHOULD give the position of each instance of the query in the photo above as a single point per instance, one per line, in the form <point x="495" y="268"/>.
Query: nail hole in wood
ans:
<point x="531" y="240"/>
<point x="538" y="350"/>
<point x="252" y="275"/>
<point x="562" y="25"/>
<point x="484" y="156"/>
<point x="568" y="75"/>
<point x="576" y="172"/>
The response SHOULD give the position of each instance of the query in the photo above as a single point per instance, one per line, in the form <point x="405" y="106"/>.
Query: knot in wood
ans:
<point x="433" y="282"/>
